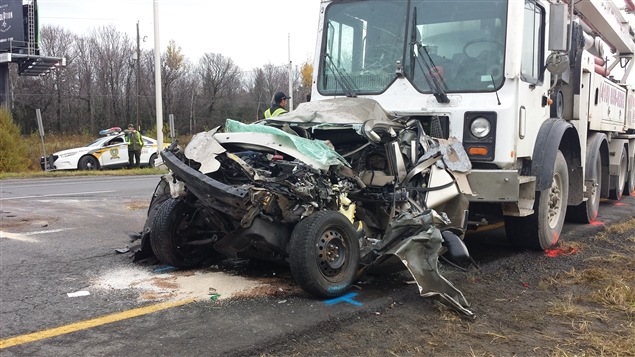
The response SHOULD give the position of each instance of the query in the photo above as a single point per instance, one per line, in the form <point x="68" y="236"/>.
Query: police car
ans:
<point x="110" y="151"/>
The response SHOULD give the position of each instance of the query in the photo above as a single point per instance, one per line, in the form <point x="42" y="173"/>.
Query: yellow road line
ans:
<point x="83" y="325"/>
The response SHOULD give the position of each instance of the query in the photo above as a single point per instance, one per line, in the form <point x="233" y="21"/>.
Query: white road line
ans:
<point x="54" y="195"/>
<point x="48" y="231"/>
<point x="18" y="237"/>
<point x="70" y="182"/>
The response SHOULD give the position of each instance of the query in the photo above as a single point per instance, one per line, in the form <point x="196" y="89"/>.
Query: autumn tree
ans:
<point x="306" y="78"/>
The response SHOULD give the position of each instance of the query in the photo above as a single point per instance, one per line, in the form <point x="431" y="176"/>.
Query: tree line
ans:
<point x="97" y="88"/>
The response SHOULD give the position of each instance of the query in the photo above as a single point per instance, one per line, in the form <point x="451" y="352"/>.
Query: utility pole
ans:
<point x="157" y="77"/>
<point x="138" y="73"/>
<point x="290" y="77"/>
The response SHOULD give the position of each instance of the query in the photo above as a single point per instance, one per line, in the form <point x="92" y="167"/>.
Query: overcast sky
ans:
<point x="251" y="32"/>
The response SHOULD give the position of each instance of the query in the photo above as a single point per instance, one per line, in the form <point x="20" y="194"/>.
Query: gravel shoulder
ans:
<point x="576" y="300"/>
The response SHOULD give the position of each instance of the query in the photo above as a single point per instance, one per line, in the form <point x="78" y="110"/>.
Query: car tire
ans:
<point x="324" y="254"/>
<point x="178" y="235"/>
<point x="153" y="158"/>
<point x="88" y="162"/>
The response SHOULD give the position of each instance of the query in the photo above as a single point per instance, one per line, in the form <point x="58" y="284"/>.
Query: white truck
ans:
<point x="546" y="117"/>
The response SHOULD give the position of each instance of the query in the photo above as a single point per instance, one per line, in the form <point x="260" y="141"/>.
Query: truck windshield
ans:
<point x="440" y="46"/>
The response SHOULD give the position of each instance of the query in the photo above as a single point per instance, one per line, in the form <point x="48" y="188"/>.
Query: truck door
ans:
<point x="535" y="80"/>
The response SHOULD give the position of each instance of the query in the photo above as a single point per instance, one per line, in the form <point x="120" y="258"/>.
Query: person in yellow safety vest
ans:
<point x="135" y="144"/>
<point x="278" y="105"/>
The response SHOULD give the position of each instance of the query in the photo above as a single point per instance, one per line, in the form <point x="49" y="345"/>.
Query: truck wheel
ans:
<point x="324" y="254"/>
<point x="541" y="230"/>
<point x="587" y="211"/>
<point x="180" y="236"/>
<point x="88" y="162"/>
<point x="620" y="180"/>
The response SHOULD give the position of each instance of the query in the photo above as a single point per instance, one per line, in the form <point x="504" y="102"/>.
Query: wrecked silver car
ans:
<point x="335" y="189"/>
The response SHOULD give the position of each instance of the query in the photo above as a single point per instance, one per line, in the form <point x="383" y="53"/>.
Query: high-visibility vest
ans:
<point x="275" y="113"/>
<point x="137" y="136"/>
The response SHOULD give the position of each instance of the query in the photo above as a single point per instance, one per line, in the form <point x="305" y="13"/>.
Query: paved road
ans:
<point x="59" y="236"/>
<point x="139" y="187"/>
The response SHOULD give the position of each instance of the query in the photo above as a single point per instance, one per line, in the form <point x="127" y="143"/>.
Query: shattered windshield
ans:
<point x="439" y="46"/>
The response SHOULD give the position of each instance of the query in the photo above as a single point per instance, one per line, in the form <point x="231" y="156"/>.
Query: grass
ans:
<point x="600" y="317"/>
<point x="619" y="228"/>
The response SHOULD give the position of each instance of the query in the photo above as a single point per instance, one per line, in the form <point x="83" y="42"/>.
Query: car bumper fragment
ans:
<point x="211" y="192"/>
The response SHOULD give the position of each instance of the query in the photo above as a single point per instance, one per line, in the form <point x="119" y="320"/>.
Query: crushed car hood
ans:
<point x="336" y="111"/>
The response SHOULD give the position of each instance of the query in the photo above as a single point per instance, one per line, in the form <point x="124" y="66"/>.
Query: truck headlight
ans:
<point x="480" y="127"/>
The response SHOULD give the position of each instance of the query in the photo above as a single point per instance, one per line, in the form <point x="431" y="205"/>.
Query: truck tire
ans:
<point x="179" y="235"/>
<point x="324" y="254"/>
<point x="541" y="230"/>
<point x="630" y="185"/>
<point x="618" y="182"/>
<point x="587" y="211"/>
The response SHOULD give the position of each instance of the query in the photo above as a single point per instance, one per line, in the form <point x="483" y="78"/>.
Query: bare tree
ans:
<point x="276" y="79"/>
<point x="175" y="69"/>
<point x="113" y="50"/>
<point x="95" y="89"/>
<point x="258" y="92"/>
<point x="85" y="81"/>
<point x="220" y="78"/>
<point x="48" y="93"/>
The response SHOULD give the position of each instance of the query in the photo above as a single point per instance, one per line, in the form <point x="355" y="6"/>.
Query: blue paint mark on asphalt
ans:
<point x="164" y="269"/>
<point x="344" y="298"/>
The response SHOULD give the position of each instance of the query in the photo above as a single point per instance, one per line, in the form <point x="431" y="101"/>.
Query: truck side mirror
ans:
<point x="558" y="27"/>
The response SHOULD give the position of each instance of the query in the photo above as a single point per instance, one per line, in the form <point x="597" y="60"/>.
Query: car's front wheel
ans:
<point x="153" y="158"/>
<point x="324" y="254"/>
<point x="181" y="234"/>
<point x="88" y="162"/>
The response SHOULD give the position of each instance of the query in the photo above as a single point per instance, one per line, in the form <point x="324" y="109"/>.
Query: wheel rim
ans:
<point x="555" y="201"/>
<point x="91" y="165"/>
<point x="331" y="253"/>
<point x="186" y="233"/>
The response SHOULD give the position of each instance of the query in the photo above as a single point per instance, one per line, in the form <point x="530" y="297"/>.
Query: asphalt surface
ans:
<point x="59" y="236"/>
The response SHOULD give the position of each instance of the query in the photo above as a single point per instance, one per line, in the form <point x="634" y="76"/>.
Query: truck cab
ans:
<point x="516" y="81"/>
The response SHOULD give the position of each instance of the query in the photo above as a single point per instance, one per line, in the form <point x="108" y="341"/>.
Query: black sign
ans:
<point x="11" y="24"/>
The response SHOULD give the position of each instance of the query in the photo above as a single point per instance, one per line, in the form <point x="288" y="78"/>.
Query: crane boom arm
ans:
<point x="606" y="20"/>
